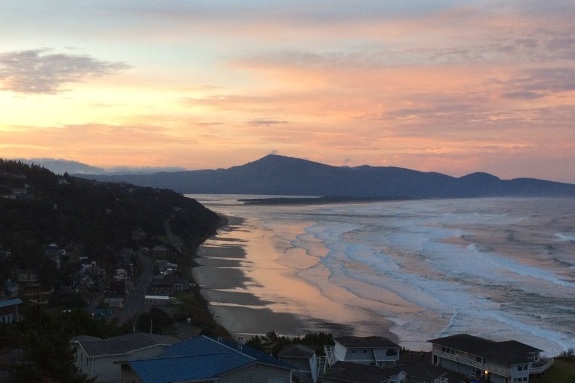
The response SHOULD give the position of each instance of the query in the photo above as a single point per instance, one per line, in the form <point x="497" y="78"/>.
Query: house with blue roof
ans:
<point x="203" y="359"/>
<point x="9" y="310"/>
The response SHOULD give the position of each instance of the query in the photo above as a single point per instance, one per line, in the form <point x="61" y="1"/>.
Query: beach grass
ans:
<point x="562" y="371"/>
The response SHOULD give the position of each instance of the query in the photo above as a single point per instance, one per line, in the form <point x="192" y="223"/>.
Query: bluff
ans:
<point x="280" y="175"/>
<point x="39" y="207"/>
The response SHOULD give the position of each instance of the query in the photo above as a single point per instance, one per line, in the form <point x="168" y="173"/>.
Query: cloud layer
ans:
<point x="40" y="71"/>
<point x="449" y="86"/>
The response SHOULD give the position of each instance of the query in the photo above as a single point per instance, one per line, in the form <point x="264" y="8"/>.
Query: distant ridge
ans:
<point x="59" y="166"/>
<point x="280" y="175"/>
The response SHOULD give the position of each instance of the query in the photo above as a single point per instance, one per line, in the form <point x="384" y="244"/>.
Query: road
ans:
<point x="134" y="302"/>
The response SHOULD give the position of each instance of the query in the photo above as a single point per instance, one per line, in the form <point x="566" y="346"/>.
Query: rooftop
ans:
<point x="354" y="372"/>
<point x="296" y="351"/>
<point x="122" y="344"/>
<point x="506" y="352"/>
<point x="200" y="358"/>
<point x="11" y="302"/>
<point x="365" y="342"/>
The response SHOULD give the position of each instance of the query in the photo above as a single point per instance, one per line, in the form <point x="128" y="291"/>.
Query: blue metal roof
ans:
<point x="188" y="368"/>
<point x="201" y="345"/>
<point x="11" y="302"/>
<point x="256" y="354"/>
<point x="199" y="358"/>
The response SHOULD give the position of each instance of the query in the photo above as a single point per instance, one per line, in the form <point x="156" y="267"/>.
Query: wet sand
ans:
<point x="251" y="291"/>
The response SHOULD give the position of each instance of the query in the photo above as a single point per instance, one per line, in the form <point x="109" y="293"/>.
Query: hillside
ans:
<point x="279" y="175"/>
<point x="95" y="219"/>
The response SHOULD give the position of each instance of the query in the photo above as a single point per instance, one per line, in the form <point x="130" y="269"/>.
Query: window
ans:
<point x="520" y="367"/>
<point x="365" y="351"/>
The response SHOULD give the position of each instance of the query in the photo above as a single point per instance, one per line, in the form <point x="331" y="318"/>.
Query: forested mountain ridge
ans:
<point x="39" y="208"/>
<point x="280" y="175"/>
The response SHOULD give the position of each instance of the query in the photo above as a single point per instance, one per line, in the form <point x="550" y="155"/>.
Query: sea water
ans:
<point x="497" y="268"/>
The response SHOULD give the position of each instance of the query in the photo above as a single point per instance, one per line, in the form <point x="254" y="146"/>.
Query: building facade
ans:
<point x="372" y="350"/>
<point x="498" y="362"/>
<point x="303" y="359"/>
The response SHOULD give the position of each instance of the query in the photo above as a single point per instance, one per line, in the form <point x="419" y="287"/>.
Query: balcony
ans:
<point x="541" y="366"/>
<point x="492" y="368"/>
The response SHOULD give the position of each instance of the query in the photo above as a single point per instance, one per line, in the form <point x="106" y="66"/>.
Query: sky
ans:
<point x="449" y="86"/>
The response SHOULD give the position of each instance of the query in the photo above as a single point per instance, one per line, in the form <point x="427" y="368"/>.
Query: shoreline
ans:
<point x="240" y="283"/>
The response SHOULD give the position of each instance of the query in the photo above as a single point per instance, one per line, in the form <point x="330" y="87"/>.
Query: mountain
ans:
<point x="59" y="166"/>
<point x="280" y="175"/>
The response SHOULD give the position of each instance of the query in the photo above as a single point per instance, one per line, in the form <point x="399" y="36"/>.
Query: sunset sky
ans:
<point x="448" y="86"/>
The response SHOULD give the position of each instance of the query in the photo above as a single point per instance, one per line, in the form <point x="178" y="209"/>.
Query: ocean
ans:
<point x="497" y="268"/>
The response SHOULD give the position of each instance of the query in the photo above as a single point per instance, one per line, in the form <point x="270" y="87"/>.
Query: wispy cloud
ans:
<point x="267" y="122"/>
<point x="39" y="71"/>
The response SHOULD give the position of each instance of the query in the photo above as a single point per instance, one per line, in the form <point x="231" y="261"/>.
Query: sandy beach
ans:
<point x="252" y="290"/>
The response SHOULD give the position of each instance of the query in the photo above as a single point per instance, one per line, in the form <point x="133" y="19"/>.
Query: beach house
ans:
<point x="499" y="362"/>
<point x="304" y="360"/>
<point x="372" y="350"/>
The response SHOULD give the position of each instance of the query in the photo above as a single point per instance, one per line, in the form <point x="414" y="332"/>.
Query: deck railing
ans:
<point x="496" y="369"/>
<point x="539" y="369"/>
<point x="441" y="379"/>
<point x="329" y="354"/>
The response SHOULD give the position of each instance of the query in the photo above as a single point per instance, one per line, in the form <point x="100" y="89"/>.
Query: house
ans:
<point x="417" y="368"/>
<point x="203" y="359"/>
<point x="99" y="358"/>
<point x="9" y="310"/>
<point x="168" y="285"/>
<point x="165" y="267"/>
<point x="11" y="288"/>
<point x="303" y="359"/>
<point x="114" y="302"/>
<point x="28" y="277"/>
<point x="349" y="372"/>
<point x="372" y="350"/>
<point x="121" y="274"/>
<point x="86" y="264"/>
<point x="159" y="300"/>
<point x="500" y="362"/>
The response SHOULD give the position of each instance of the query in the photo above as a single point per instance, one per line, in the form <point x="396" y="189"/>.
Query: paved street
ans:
<point x="134" y="304"/>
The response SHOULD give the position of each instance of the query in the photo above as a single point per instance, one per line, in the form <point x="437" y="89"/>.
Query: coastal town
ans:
<point x="140" y="317"/>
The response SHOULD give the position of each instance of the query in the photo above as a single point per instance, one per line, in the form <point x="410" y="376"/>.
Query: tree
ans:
<point x="155" y="321"/>
<point x="52" y="360"/>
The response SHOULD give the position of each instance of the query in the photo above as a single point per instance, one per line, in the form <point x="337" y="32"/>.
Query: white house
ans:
<point x="499" y="362"/>
<point x="372" y="350"/>
<point x="100" y="358"/>
<point x="303" y="359"/>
